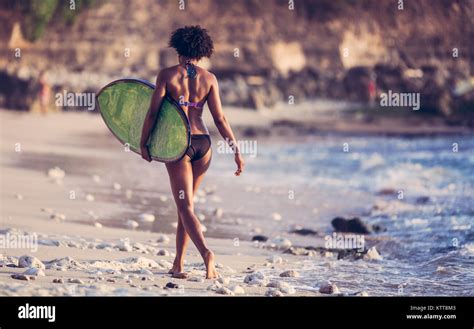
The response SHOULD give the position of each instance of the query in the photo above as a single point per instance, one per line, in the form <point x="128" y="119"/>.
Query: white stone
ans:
<point x="30" y="261"/>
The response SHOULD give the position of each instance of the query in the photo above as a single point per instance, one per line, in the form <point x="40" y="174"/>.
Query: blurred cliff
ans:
<point x="265" y="52"/>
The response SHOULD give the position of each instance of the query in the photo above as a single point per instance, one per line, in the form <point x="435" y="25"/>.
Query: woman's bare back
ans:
<point x="183" y="88"/>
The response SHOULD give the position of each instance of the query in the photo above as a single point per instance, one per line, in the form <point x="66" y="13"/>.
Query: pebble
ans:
<point x="163" y="239"/>
<point x="56" y="173"/>
<point x="276" y="217"/>
<point x="34" y="271"/>
<point x="96" y="178"/>
<point x="163" y="198"/>
<point x="218" y="212"/>
<point x="128" y="194"/>
<point x="90" y="197"/>
<point x="196" y="279"/>
<point x="203" y="228"/>
<point x="131" y="224"/>
<point x="290" y="274"/>
<point x="147" y="218"/>
<point x="57" y="216"/>
<point x="22" y="277"/>
<point x="58" y="280"/>
<point x="201" y="217"/>
<point x="273" y="293"/>
<point x="362" y="294"/>
<point x="275" y="259"/>
<point x="224" y="291"/>
<point x="260" y="238"/>
<point x="373" y="254"/>
<point x="328" y="288"/>
<point x="172" y="285"/>
<point x="98" y="225"/>
<point x="30" y="261"/>
<point x="78" y="281"/>
<point x="256" y="278"/>
<point x="19" y="196"/>
<point x="280" y="243"/>
<point x="163" y="252"/>
<point x="223" y="280"/>
<point x="117" y="186"/>
<point x="282" y="286"/>
<point x="237" y="290"/>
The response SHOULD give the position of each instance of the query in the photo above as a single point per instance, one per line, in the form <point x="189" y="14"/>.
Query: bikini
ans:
<point x="200" y="143"/>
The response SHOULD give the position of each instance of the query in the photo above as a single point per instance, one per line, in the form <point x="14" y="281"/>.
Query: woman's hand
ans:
<point x="239" y="160"/>
<point x="145" y="153"/>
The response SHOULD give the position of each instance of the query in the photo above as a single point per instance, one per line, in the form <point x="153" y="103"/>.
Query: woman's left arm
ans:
<point x="150" y="119"/>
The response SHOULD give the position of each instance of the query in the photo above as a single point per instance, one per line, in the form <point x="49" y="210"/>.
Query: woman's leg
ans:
<point x="185" y="178"/>
<point x="182" y="238"/>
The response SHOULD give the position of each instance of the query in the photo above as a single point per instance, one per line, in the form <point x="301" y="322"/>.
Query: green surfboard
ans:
<point x="124" y="104"/>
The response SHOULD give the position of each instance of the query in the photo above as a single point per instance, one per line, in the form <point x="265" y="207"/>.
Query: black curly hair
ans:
<point x="192" y="42"/>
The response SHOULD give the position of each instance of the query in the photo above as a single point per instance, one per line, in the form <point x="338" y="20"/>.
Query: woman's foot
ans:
<point x="177" y="267"/>
<point x="211" y="272"/>
<point x="180" y="275"/>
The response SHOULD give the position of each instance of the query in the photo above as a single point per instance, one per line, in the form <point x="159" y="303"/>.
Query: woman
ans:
<point x="192" y="86"/>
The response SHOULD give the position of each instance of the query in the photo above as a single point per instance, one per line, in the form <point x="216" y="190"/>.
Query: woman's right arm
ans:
<point x="215" y="106"/>
<point x="150" y="119"/>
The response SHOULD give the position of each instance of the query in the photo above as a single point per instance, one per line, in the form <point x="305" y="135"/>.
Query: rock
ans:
<point x="273" y="293"/>
<point x="224" y="291"/>
<point x="373" y="254"/>
<point x="422" y="200"/>
<point x="58" y="217"/>
<point x="34" y="271"/>
<point x="163" y="239"/>
<point x="280" y="243"/>
<point x="145" y="272"/>
<point x="78" y="281"/>
<point x="223" y="280"/>
<point x="328" y="288"/>
<point x="124" y="245"/>
<point x="147" y="218"/>
<point x="90" y="197"/>
<point x="275" y="259"/>
<point x="172" y="285"/>
<point x="98" y="225"/>
<point x="30" y="261"/>
<point x="260" y="238"/>
<point x="362" y="294"/>
<point x="131" y="224"/>
<point x="289" y="274"/>
<point x="282" y="286"/>
<point x="353" y="225"/>
<point x="58" y="280"/>
<point x="163" y="252"/>
<point x="21" y="277"/>
<point x="19" y="196"/>
<point x="304" y="231"/>
<point x="96" y="178"/>
<point x="218" y="212"/>
<point x="128" y="194"/>
<point x="56" y="173"/>
<point x="196" y="279"/>
<point x="256" y="279"/>
<point x="276" y="217"/>
<point x="237" y="290"/>
<point x="117" y="186"/>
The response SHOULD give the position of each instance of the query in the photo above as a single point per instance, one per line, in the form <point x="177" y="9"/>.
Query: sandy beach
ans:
<point x="101" y="221"/>
<point x="71" y="215"/>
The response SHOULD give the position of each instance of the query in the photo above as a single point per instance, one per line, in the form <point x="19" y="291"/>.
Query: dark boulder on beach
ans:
<point x="260" y="238"/>
<point x="304" y="231"/>
<point x="353" y="225"/>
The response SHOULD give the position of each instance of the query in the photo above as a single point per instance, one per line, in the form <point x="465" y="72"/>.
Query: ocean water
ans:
<point x="421" y="191"/>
